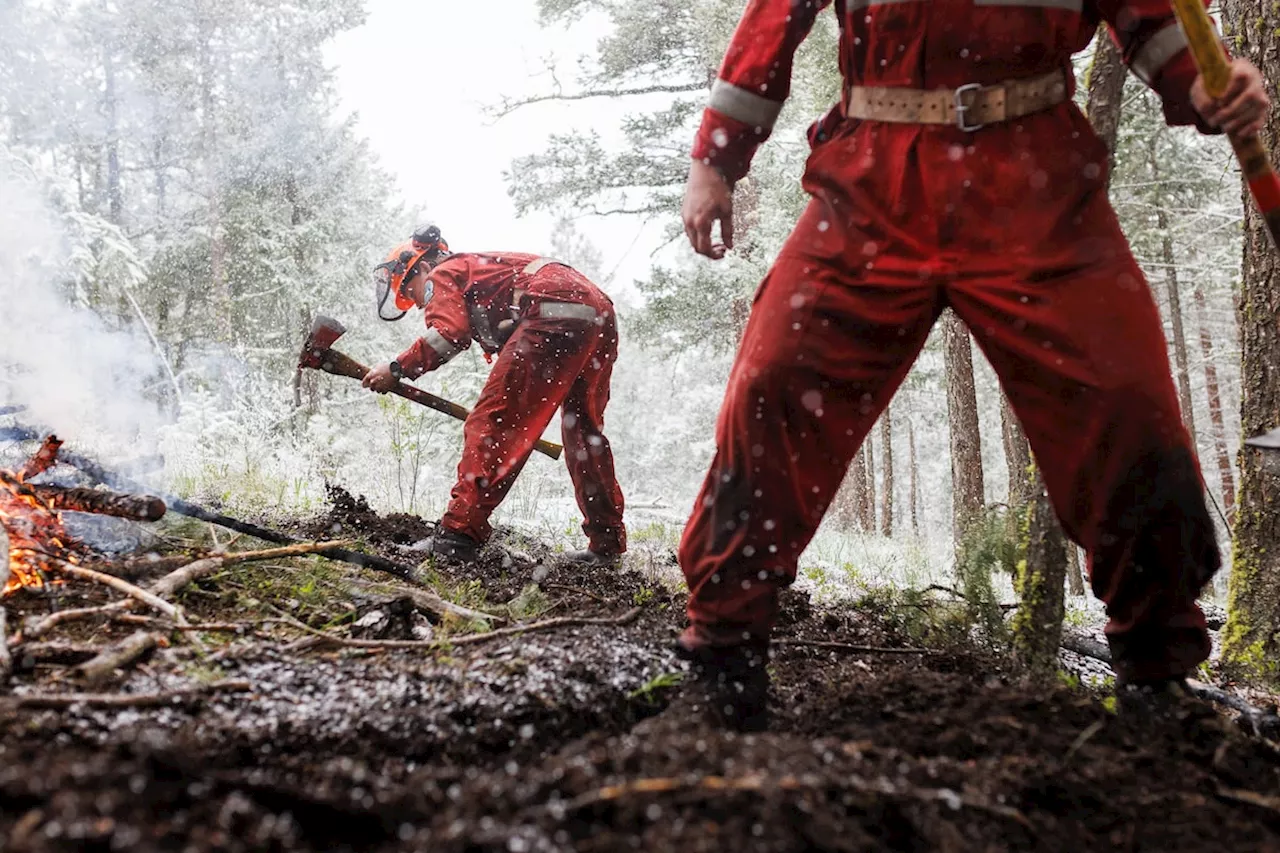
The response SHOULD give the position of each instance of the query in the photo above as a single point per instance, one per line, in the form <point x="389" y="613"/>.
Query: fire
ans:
<point x="34" y="527"/>
<point x="35" y="533"/>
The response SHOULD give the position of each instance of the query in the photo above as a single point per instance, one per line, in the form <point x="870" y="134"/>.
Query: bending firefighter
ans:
<point x="555" y="337"/>
<point x="954" y="173"/>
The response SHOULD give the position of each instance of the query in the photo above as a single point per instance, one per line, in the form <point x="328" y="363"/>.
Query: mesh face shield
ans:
<point x="384" y="293"/>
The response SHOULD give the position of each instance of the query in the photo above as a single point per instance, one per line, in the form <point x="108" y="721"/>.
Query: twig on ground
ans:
<point x="577" y="591"/>
<point x="28" y="655"/>
<point x="471" y="639"/>
<point x="758" y="782"/>
<point x="432" y="603"/>
<point x="122" y="654"/>
<point x="123" y="700"/>
<point x="176" y="580"/>
<point x="1252" y="798"/>
<point x="849" y="647"/>
<point x="53" y="620"/>
<point x="120" y="585"/>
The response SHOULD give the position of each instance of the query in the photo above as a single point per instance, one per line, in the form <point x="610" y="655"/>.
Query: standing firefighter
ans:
<point x="556" y="339"/>
<point x="955" y="172"/>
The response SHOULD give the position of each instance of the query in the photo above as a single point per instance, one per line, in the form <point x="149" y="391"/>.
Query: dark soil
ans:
<point x="562" y="741"/>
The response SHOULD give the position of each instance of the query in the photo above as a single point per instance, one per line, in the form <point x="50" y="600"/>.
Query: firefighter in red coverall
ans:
<point x="955" y="172"/>
<point x="555" y="336"/>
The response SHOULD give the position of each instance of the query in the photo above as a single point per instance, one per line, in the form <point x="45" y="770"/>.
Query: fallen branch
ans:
<point x="1086" y="646"/>
<point x="136" y="592"/>
<point x="176" y="580"/>
<point x="53" y="620"/>
<point x="848" y="647"/>
<point x="118" y="656"/>
<point x="101" y="502"/>
<point x="758" y="782"/>
<point x="472" y="639"/>
<point x="123" y="700"/>
<point x="26" y="656"/>
<point x="430" y="602"/>
<point x="1252" y="798"/>
<point x="42" y="460"/>
<point x="175" y="504"/>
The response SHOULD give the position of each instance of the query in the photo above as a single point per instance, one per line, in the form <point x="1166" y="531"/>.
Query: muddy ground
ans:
<point x="560" y="740"/>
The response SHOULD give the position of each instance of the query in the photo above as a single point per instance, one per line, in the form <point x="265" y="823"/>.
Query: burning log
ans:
<point x="43" y="460"/>
<point x="101" y="502"/>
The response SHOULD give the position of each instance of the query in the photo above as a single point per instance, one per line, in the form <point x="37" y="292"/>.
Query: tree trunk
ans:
<point x="1105" y="85"/>
<point x="1017" y="454"/>
<point x="1251" y="639"/>
<point x="1175" y="303"/>
<point x="915" y="479"/>
<point x="967" y="493"/>
<point x="115" y="196"/>
<point x="850" y="505"/>
<point x="1225" y="476"/>
<point x="886" y="463"/>
<point x="869" y="511"/>
<point x="1037" y="627"/>
<point x="219" y="285"/>
<point x="1075" y="572"/>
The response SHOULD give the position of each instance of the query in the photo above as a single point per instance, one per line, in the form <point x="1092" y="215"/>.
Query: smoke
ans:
<point x="76" y="376"/>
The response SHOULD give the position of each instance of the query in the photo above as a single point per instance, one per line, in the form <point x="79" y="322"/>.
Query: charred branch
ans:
<point x="101" y="502"/>
<point x="43" y="460"/>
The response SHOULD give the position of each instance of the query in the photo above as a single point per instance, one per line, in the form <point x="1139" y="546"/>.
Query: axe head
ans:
<point x="324" y="332"/>
<point x="1266" y="441"/>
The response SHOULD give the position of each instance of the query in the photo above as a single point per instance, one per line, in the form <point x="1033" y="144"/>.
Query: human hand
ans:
<point x="380" y="379"/>
<point x="1242" y="109"/>
<point x="707" y="198"/>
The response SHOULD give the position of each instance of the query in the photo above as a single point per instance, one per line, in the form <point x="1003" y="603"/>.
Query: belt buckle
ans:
<point x="962" y="109"/>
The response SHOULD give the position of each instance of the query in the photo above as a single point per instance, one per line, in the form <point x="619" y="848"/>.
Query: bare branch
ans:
<point x="509" y="106"/>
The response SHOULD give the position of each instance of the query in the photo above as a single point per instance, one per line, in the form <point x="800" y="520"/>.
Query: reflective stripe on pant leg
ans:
<point x="528" y="382"/>
<point x="821" y="355"/>
<point x="587" y="452"/>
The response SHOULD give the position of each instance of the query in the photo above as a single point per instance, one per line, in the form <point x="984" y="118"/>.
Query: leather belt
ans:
<point x="969" y="107"/>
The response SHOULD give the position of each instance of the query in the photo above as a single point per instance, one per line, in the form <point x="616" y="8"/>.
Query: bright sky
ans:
<point x="457" y="57"/>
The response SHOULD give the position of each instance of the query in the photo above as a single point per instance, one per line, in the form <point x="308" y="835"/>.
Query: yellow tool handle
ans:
<point x="1206" y="45"/>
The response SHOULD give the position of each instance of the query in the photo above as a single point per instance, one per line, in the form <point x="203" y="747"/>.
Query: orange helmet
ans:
<point x="391" y="277"/>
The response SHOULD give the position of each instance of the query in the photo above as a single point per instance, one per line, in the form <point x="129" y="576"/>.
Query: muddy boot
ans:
<point x="451" y="545"/>
<point x="1167" y="699"/>
<point x="590" y="558"/>
<point x="728" y="687"/>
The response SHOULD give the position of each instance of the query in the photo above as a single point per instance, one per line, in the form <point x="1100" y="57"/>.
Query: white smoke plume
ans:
<point x="76" y="376"/>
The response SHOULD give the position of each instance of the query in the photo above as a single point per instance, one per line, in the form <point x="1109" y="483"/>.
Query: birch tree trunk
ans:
<point x="886" y="463"/>
<point x="915" y="479"/>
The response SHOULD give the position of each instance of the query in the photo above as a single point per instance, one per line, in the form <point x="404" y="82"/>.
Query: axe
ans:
<point x="318" y="354"/>
<point x="1266" y="441"/>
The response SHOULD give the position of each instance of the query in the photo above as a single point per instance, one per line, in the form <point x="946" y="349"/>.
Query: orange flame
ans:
<point x="35" y="532"/>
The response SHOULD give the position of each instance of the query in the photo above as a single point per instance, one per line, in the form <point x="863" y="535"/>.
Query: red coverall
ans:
<point x="556" y="337"/>
<point x="1009" y="226"/>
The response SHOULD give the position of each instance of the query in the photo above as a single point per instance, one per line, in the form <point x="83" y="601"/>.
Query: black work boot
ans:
<point x="729" y="686"/>
<point x="1161" y="698"/>
<point x="588" y="557"/>
<point x="452" y="545"/>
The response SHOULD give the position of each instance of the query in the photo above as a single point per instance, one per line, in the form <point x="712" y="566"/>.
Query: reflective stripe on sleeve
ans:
<point x="1156" y="53"/>
<point x="741" y="105"/>
<point x="567" y="311"/>
<point x="437" y="342"/>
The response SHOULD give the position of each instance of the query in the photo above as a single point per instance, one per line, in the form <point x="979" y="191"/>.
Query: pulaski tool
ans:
<point x="318" y="354"/>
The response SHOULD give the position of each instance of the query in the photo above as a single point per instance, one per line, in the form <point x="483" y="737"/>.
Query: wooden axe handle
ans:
<point x="1214" y="66"/>
<point x="332" y="361"/>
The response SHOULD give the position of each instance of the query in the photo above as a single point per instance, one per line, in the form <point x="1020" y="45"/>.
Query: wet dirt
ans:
<point x="562" y="741"/>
